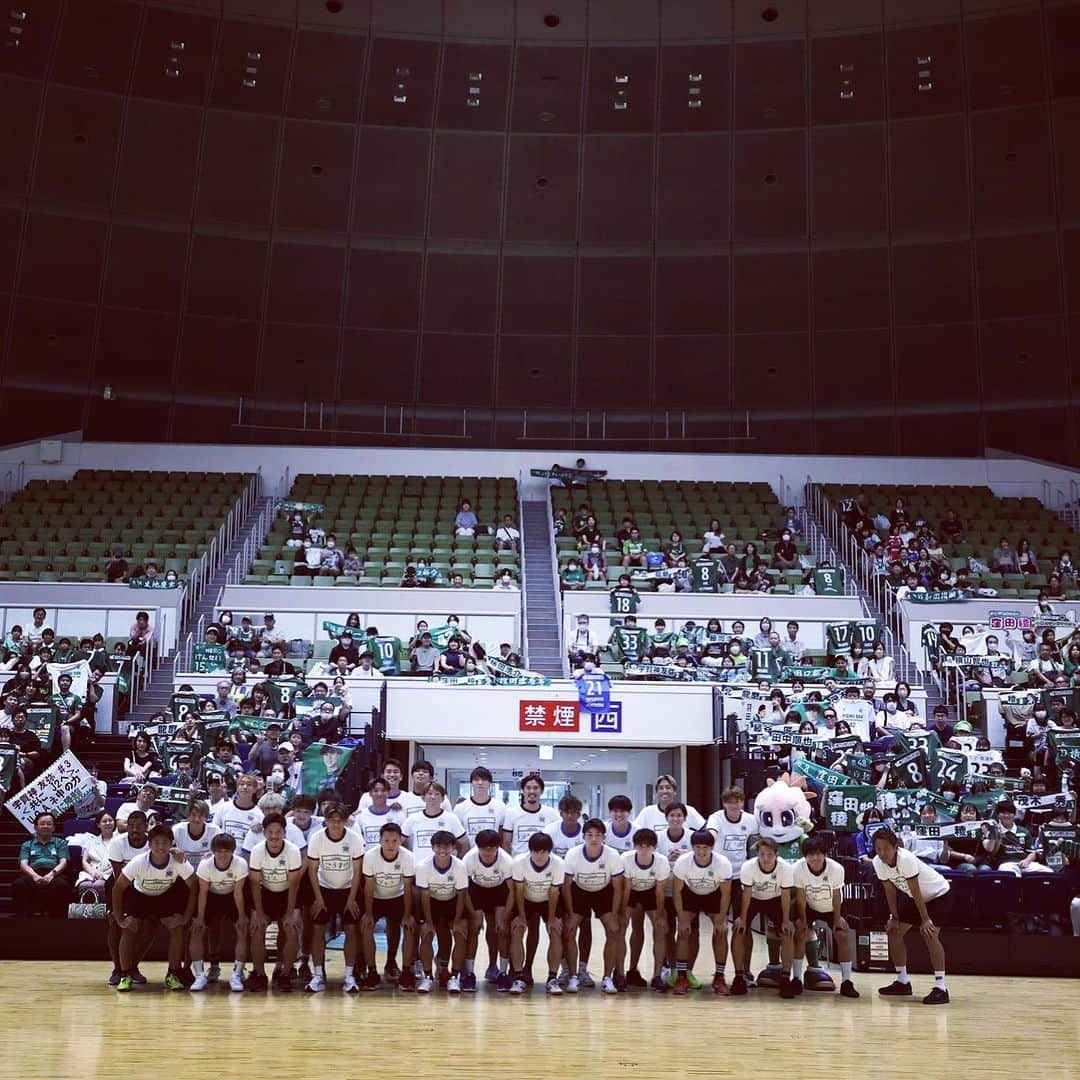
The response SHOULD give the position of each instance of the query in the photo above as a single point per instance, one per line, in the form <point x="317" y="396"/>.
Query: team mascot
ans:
<point x="783" y="814"/>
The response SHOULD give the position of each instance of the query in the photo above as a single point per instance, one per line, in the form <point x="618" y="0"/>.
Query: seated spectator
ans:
<point x="793" y="645"/>
<point x="558" y="522"/>
<point x="95" y="877"/>
<point x="453" y="660"/>
<point x="345" y="648"/>
<point x="1064" y="567"/>
<point x="507" y="535"/>
<point x="1025" y="557"/>
<point x="759" y="580"/>
<point x="33" y="757"/>
<point x="297" y="529"/>
<point x="263" y="754"/>
<point x="749" y="559"/>
<point x="1036" y="736"/>
<point x="313" y="552"/>
<point x="1004" y="559"/>
<point x="117" y="569"/>
<point x="183" y="775"/>
<point x="785" y="555"/>
<point x="951" y="527"/>
<point x="423" y="656"/>
<point x="366" y="669"/>
<point x="790" y="522"/>
<point x="622" y="534"/>
<point x="42" y="885"/>
<point x="333" y="561"/>
<point x="144" y="801"/>
<point x="573" y="577"/>
<point x="1012" y="850"/>
<point x="1044" y="669"/>
<point x="224" y="699"/>
<point x="69" y="713"/>
<point x="427" y="574"/>
<point x="594" y="563"/>
<point x="1055" y="589"/>
<point x="353" y="563"/>
<point x="675" y="549"/>
<point x="269" y="635"/>
<point x="583" y="642"/>
<point x="457" y="580"/>
<point x="729" y="562"/>
<point x="927" y="849"/>
<point x="409" y="580"/>
<point x="741" y="581"/>
<point x="713" y="541"/>
<point x="881" y="668"/>
<point x="505" y="582"/>
<point x="142" y="763"/>
<point x="633" y="549"/>
<point x="466" y="522"/>
<point x="278" y="665"/>
<point x="588" y="535"/>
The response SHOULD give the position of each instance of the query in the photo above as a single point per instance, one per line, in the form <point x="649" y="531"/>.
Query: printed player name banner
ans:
<point x="154" y="583"/>
<point x="209" y="659"/>
<point x="843" y="807"/>
<point x="64" y="784"/>
<point x="939" y="596"/>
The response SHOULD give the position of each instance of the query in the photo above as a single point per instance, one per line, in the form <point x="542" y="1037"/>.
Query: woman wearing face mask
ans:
<point x="736" y="655"/>
<point x="593" y="563"/>
<point x="785" y="555"/>
<point x="333" y="559"/>
<point x="881" y="668"/>
<point x="903" y="699"/>
<point x="1037" y="736"/>
<point x="20" y="683"/>
<point x="761" y="639"/>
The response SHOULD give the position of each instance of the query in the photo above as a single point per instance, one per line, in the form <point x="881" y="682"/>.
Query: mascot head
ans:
<point x="783" y="810"/>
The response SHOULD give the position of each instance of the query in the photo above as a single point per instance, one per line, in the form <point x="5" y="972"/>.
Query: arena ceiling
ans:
<point x="823" y="225"/>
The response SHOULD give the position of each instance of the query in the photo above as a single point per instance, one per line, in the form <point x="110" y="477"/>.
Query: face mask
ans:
<point x="331" y="543"/>
<point x="890" y="706"/>
<point x="787" y="537"/>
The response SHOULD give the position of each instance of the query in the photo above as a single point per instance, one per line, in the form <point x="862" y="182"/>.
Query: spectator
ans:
<point x="792" y="644"/>
<point x="366" y="669"/>
<point x="1044" y="669"/>
<point x="790" y="522"/>
<point x="675" y="549"/>
<point x="95" y="877"/>
<point x="427" y="574"/>
<point x="507" y="536"/>
<point x="505" y="582"/>
<point x="1012" y="851"/>
<point x="881" y="668"/>
<point x="582" y="643"/>
<point x="633" y="549"/>
<point x="32" y="755"/>
<point x="729" y="562"/>
<point x="69" y="711"/>
<point x="278" y="665"/>
<point x="142" y="763"/>
<point x="951" y="527"/>
<point x="759" y="580"/>
<point x="333" y="561"/>
<point x="594" y="563"/>
<point x="453" y="660"/>
<point x="558" y="522"/>
<point x="1004" y="559"/>
<point x="36" y="630"/>
<point x="713" y="540"/>
<point x="573" y="577"/>
<point x="785" y="555"/>
<point x="345" y="648"/>
<point x="1064" y="568"/>
<point x="353" y="563"/>
<point x="622" y="534"/>
<point x="466" y="522"/>
<point x="269" y="635"/>
<point x="1025" y="557"/>
<point x="42" y="886"/>
<point x="929" y="850"/>
<point x="224" y="701"/>
<point x="424" y="656"/>
<point x="749" y="559"/>
<point x="144" y="801"/>
<point x="116" y="569"/>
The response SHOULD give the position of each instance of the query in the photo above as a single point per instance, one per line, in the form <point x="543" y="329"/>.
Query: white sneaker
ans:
<point x="607" y="984"/>
<point x="214" y="973"/>
<point x="518" y="986"/>
<point x="572" y="985"/>
<point x="453" y="985"/>
<point x="317" y="984"/>
<point x="199" y="982"/>
<point x="236" y="982"/>
<point x="585" y="979"/>
<point x="553" y="987"/>
<point x="350" y="986"/>
<point x="425" y="985"/>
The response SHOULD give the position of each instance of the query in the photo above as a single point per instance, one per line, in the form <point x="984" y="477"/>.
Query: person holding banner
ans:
<point x="32" y="757"/>
<point x="915" y="893"/>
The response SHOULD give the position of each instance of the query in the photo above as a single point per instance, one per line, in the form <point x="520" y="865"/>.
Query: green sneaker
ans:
<point x="693" y="980"/>
<point x="125" y="984"/>
<point x="173" y="982"/>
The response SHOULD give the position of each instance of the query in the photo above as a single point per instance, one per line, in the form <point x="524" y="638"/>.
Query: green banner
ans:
<point x="181" y="704"/>
<point x="209" y="659"/>
<point x="175" y="800"/>
<point x="336" y="629"/>
<point x="283" y="688"/>
<point x="909" y="770"/>
<point x="939" y="596"/>
<point x="42" y="720"/>
<point x="462" y="680"/>
<point x="210" y="767"/>
<point x="860" y="767"/>
<point x="1059" y="843"/>
<point x="948" y="767"/>
<point x="1066" y="746"/>
<point x="303" y="507"/>
<point x="843" y="807"/>
<point x="903" y="805"/>
<point x="807" y="673"/>
<point x="670" y="672"/>
<point x="819" y="774"/>
<point x="304" y="704"/>
<point x="324" y="765"/>
<point x="155" y="583"/>
<point x="215" y="726"/>
<point x="441" y="635"/>
<point x="254" y="726"/>
<point x="828" y="582"/>
<point x="170" y="751"/>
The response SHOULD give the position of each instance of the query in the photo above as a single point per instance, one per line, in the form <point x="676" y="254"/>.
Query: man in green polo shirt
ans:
<point x="42" y="886"/>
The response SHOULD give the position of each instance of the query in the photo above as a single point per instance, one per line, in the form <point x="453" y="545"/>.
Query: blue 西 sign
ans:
<point x="609" y="722"/>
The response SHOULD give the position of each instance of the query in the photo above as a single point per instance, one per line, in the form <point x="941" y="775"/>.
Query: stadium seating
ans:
<point x="65" y="530"/>
<point x="744" y="510"/>
<point x="987" y="517"/>
<point x="393" y="521"/>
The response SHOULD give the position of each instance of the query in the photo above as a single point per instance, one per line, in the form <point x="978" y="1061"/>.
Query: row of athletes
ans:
<point x="453" y="898"/>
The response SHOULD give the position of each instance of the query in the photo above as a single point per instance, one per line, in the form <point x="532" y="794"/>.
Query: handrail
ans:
<point x="523" y="612"/>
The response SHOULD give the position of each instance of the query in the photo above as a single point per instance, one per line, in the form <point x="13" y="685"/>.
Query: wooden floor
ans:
<point x="61" y="1020"/>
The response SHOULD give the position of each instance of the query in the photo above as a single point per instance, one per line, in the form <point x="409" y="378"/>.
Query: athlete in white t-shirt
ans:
<point x="402" y="803"/>
<point x="647" y="873"/>
<point x="620" y="829"/>
<point x="420" y="828"/>
<point x="221" y="876"/>
<point x="915" y="893"/>
<point x="595" y="880"/>
<point x="442" y="882"/>
<point x="654" y="816"/>
<point x="195" y="835"/>
<point x="567" y="832"/>
<point x="767" y="882"/>
<point x="733" y="828"/>
<point x="154" y="887"/>
<point x="489" y="903"/>
<point x="389" y="872"/>
<point x="819" y="885"/>
<point x="334" y="857"/>
<point x="480" y="811"/>
<point x="702" y="886"/>
<point x="238" y="814"/>
<point x="274" y="869"/>
<point x="672" y="843"/>
<point x="538" y="879"/>
<point x="370" y="818"/>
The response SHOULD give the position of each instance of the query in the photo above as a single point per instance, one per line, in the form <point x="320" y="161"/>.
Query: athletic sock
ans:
<point x="583" y="968"/>
<point x="197" y="966"/>
<point x="469" y="965"/>
<point x="797" y="968"/>
<point x="939" y="979"/>
<point x="319" y="970"/>
<point x="680" y="966"/>
<point x="720" y="969"/>
<point x="845" y="970"/>
<point x="238" y="966"/>
<point x="552" y="974"/>
<point x="901" y="974"/>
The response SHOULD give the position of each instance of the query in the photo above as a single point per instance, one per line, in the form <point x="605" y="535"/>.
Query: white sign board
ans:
<point x="64" y="784"/>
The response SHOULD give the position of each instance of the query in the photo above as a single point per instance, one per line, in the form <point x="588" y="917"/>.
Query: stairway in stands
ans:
<point x="107" y="751"/>
<point x="542" y="603"/>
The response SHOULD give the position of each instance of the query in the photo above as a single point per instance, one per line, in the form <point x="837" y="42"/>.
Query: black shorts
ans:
<point x="172" y="902"/>
<point x="703" y="903"/>
<point x="669" y="909"/>
<point x="736" y="897"/>
<point x="539" y="909"/>
<point x="938" y="909"/>
<point x="334" y="902"/>
<point x="771" y="909"/>
<point x="488" y="899"/>
<point x="220" y="906"/>
<point x="275" y="905"/>
<point x="305" y="894"/>
<point x="443" y="912"/>
<point x="392" y="909"/>
<point x="643" y="899"/>
<point x="587" y="904"/>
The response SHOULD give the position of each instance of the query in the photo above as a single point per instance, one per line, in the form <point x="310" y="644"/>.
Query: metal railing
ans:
<point x="253" y="540"/>
<point x="182" y="657"/>
<point x="1064" y="500"/>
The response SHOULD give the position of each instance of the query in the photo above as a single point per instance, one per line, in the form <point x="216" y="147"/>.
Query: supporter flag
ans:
<point x="704" y="575"/>
<point x="324" y="766"/>
<point x="948" y="767"/>
<point x="283" y="689"/>
<point x="843" y="807"/>
<point x="79" y="672"/>
<point x="41" y="720"/>
<point x="828" y="582"/>
<point x="594" y="692"/>
<point x="765" y="663"/>
<point x="860" y="767"/>
<point x="909" y="770"/>
<point x="7" y="768"/>
<point x="386" y="653"/>
<point x="624" y="601"/>
<point x="209" y="659"/>
<point x="170" y="751"/>
<point x="181" y="704"/>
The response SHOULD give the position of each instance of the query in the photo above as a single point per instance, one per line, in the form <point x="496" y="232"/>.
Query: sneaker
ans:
<point x="199" y="982"/>
<point x="304" y="972"/>
<point x="720" y="986"/>
<point x="847" y="989"/>
<point x="453" y="984"/>
<point x="553" y="988"/>
<point x="896" y="989"/>
<point x="114" y="978"/>
<point x="316" y="984"/>
<point x="124" y="984"/>
<point x="138" y="978"/>
<point x="518" y="986"/>
<point x="492" y="973"/>
<point x="659" y="984"/>
<point x="693" y="980"/>
<point x="173" y="981"/>
<point x="256" y="981"/>
<point x="585" y="980"/>
<point x="407" y="982"/>
<point x="468" y="982"/>
<point x="634" y="979"/>
<point x="504" y="982"/>
<point x="738" y="986"/>
<point x="620" y="983"/>
<point x="236" y="982"/>
<point x="668" y="975"/>
<point x="682" y="984"/>
<point x="787" y="988"/>
<point x="214" y="974"/>
<point x="796" y="987"/>
<point x="573" y="985"/>
<point x="284" y="984"/>
<point x="751" y="981"/>
<point x="391" y="972"/>
<point x="186" y="976"/>
<point x="607" y="985"/>
<point x="425" y="984"/>
<point x="937" y="996"/>
<point x="371" y="981"/>
<point x="349" y="986"/>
